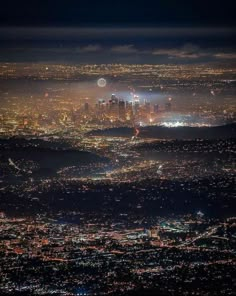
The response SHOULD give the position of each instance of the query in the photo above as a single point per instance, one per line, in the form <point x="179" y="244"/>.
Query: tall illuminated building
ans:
<point x="114" y="106"/>
<point x="101" y="106"/>
<point x="129" y="110"/>
<point x="136" y="105"/>
<point x="114" y="99"/>
<point x="147" y="106"/>
<point x="122" y="111"/>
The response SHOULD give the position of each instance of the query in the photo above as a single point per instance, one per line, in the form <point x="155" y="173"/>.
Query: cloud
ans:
<point x="191" y="51"/>
<point x="91" y="48"/>
<point x="228" y="56"/>
<point x="188" y="51"/>
<point x="124" y="49"/>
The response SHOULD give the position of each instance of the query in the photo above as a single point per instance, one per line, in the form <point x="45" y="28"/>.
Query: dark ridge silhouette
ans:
<point x="48" y="159"/>
<point x="53" y="158"/>
<point x="161" y="132"/>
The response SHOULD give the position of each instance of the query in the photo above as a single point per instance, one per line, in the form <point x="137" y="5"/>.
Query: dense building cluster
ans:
<point x="134" y="95"/>
<point x="55" y="256"/>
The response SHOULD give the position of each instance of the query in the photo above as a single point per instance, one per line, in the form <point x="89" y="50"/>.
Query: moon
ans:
<point x="101" y="82"/>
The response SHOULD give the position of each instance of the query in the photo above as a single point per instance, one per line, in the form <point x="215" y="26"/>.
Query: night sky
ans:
<point x="120" y="12"/>
<point x="118" y="31"/>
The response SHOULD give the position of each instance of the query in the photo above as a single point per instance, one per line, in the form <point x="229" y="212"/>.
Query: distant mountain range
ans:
<point x="161" y="132"/>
